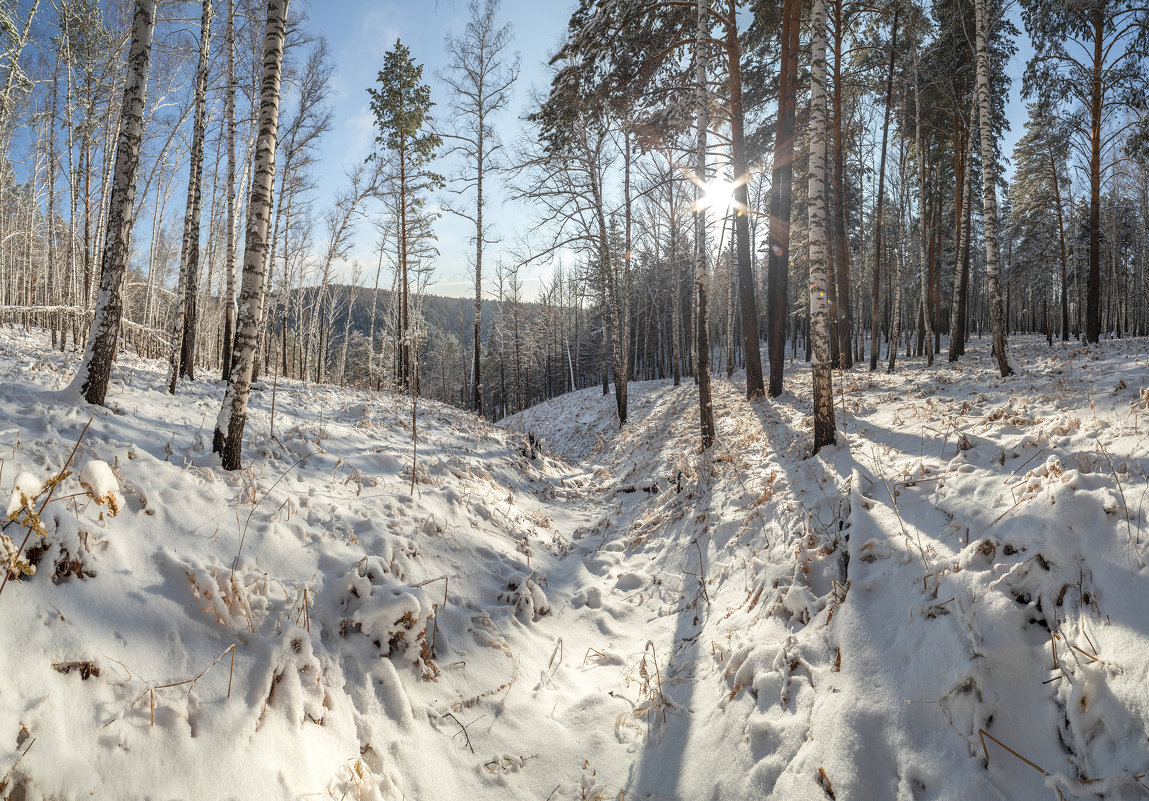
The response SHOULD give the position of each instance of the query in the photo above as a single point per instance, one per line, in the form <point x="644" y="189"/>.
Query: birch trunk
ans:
<point x="183" y="328"/>
<point x="228" y="438"/>
<point x="989" y="195"/>
<point x="819" y="262"/>
<point x="95" y="369"/>
<point x="229" y="257"/>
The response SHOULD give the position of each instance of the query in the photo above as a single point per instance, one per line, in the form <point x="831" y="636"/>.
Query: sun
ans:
<point x="717" y="194"/>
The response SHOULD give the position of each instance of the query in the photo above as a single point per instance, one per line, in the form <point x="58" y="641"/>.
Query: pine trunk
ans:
<point x="877" y="279"/>
<point x="1093" y="283"/>
<point x="781" y="192"/>
<point x="702" y="364"/>
<point x="749" y="308"/>
<point x="961" y="255"/>
<point x="844" y="313"/>
<point x="989" y="195"/>
<point x="924" y="220"/>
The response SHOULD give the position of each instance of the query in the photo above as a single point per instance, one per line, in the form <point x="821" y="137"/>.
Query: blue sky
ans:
<point x="360" y="32"/>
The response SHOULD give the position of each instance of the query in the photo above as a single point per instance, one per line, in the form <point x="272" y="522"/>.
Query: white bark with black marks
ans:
<point x="228" y="438"/>
<point x="183" y="326"/>
<point x="95" y="369"/>
<point x="824" y="433"/>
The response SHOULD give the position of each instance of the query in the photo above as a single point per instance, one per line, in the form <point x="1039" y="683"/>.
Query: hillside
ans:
<point x="607" y="615"/>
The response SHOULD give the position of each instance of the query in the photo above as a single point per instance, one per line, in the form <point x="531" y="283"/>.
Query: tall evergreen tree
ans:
<point x="1091" y="53"/>
<point x="997" y="320"/>
<point x="402" y="108"/>
<point x="1037" y="193"/>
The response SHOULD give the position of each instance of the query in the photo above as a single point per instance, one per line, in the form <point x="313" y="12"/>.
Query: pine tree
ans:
<point x="1091" y="53"/>
<point x="989" y="192"/>
<point x="781" y="193"/>
<point x="878" y="221"/>
<point x="402" y="108"/>
<point x="1041" y="169"/>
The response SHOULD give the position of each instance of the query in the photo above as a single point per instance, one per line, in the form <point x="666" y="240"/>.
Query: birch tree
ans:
<point x="184" y="324"/>
<point x="819" y="253"/>
<point x="92" y="377"/>
<point x="228" y="437"/>
<point x="480" y="77"/>
<point x="229" y="242"/>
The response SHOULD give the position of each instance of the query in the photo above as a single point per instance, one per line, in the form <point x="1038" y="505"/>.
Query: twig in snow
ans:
<point x="243" y="535"/>
<point x="463" y="728"/>
<point x="8" y="569"/>
<point x="1124" y="505"/>
<point x="983" y="734"/>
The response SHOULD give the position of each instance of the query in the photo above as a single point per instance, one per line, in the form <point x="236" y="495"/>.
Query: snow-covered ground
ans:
<point x="951" y="604"/>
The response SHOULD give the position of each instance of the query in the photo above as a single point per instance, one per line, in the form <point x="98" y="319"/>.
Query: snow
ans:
<point x="25" y="489"/>
<point x="961" y="577"/>
<point x="99" y="480"/>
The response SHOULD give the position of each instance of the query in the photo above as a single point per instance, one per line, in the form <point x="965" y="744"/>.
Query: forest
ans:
<point x="667" y="174"/>
<point x="766" y="306"/>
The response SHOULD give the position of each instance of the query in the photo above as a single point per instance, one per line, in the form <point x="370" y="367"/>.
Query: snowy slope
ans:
<point x="968" y="560"/>
<point x="639" y="621"/>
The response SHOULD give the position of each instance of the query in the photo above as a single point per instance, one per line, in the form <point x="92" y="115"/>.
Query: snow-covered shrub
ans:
<point x="101" y="484"/>
<point x="526" y="597"/>
<point x="296" y="683"/>
<point x="394" y="616"/>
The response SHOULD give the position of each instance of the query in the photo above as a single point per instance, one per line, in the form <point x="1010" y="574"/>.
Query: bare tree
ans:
<point x="480" y="76"/>
<point x="95" y="369"/>
<point x="228" y="437"/>
<point x="184" y="325"/>
<point x="819" y="253"/>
